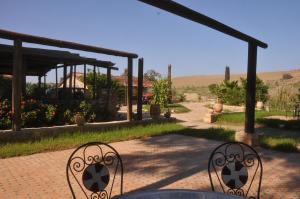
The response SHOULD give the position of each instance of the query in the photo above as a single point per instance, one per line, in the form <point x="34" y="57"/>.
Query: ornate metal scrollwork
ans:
<point x="235" y="166"/>
<point x="94" y="170"/>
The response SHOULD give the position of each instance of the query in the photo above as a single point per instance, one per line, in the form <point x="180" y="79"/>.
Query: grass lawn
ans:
<point x="71" y="140"/>
<point x="239" y="118"/>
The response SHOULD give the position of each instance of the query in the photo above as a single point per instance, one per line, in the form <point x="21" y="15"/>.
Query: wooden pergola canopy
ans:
<point x="197" y="17"/>
<point x="40" y="61"/>
<point x="62" y="44"/>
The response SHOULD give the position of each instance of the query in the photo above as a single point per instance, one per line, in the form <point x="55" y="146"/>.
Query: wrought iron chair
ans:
<point x="235" y="168"/>
<point x="93" y="171"/>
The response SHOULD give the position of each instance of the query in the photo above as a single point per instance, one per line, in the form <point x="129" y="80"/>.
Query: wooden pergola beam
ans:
<point x="197" y="17"/>
<point x="62" y="44"/>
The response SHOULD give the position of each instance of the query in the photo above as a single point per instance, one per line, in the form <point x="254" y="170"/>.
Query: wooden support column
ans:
<point x="108" y="79"/>
<point x="74" y="82"/>
<point x="64" y="81"/>
<point x="169" y="83"/>
<point x="24" y="78"/>
<point x="129" y="90"/>
<point x="84" y="80"/>
<point x="70" y="81"/>
<point x="17" y="85"/>
<point x="140" y="89"/>
<point x="45" y="87"/>
<point x="56" y="81"/>
<point x="94" y="82"/>
<point x="250" y="89"/>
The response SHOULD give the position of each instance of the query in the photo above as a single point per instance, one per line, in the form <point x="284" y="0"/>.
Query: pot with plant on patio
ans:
<point x="160" y="97"/>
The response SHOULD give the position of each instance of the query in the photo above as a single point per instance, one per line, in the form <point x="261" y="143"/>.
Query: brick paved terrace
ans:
<point x="171" y="161"/>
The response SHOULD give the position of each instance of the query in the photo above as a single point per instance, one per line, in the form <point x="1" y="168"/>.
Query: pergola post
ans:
<point x="17" y="85"/>
<point x="45" y="87"/>
<point x="169" y="83"/>
<point x="70" y="81"/>
<point x="84" y="80"/>
<point x="24" y="79"/>
<point x="140" y="89"/>
<point x="250" y="89"/>
<point x="129" y="90"/>
<point x="108" y="87"/>
<point x="64" y="80"/>
<point x="56" y="82"/>
<point x="94" y="82"/>
<point x="74" y="81"/>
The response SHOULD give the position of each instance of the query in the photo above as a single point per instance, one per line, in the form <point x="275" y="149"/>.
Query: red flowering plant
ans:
<point x="5" y="114"/>
<point x="33" y="113"/>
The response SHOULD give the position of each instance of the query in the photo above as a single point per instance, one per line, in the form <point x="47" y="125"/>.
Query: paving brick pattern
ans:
<point x="171" y="161"/>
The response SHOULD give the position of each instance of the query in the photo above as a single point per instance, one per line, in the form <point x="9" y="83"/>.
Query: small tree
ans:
<point x="160" y="92"/>
<point x="152" y="75"/>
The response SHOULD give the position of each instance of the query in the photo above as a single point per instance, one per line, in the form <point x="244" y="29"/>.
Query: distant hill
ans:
<point x="204" y="80"/>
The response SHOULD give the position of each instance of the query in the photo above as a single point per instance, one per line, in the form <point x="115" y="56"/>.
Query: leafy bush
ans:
<point x="50" y="113"/>
<point x="230" y="92"/>
<point x="160" y="92"/>
<point x="68" y="116"/>
<point x="5" y="114"/>
<point x="262" y="93"/>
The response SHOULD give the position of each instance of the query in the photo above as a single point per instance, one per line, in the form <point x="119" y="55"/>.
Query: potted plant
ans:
<point x="160" y="97"/>
<point x="218" y="106"/>
<point x="79" y="119"/>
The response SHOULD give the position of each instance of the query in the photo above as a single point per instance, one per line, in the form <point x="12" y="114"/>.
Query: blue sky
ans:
<point x="163" y="38"/>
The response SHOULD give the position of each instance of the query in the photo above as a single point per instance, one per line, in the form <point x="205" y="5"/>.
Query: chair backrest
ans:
<point x="235" y="168"/>
<point x="94" y="170"/>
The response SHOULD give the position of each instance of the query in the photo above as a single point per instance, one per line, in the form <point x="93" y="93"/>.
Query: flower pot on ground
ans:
<point x="79" y="119"/>
<point x="259" y="105"/>
<point x="154" y="111"/>
<point x="218" y="107"/>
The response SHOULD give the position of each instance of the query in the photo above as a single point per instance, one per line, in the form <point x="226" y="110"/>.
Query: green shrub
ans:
<point x="160" y="92"/>
<point x="68" y="115"/>
<point x="50" y="113"/>
<point x="5" y="114"/>
<point x="230" y="92"/>
<point x="261" y="94"/>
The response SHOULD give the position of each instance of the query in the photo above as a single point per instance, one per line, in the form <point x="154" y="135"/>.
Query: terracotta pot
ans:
<point x="79" y="119"/>
<point x="218" y="107"/>
<point x="260" y="105"/>
<point x="154" y="111"/>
